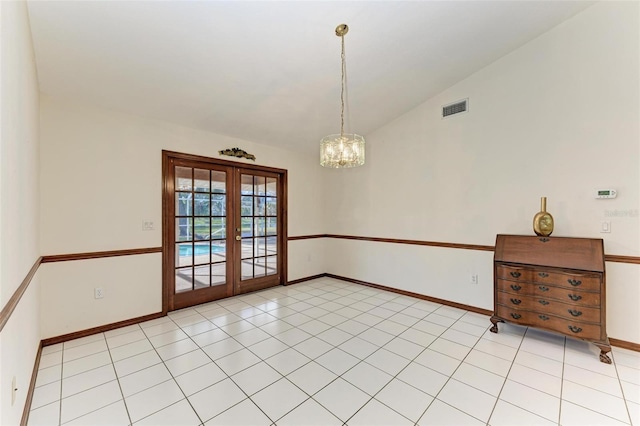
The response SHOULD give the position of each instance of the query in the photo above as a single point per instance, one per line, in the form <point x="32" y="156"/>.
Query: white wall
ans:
<point x="19" y="226"/>
<point x="558" y="117"/>
<point x="101" y="176"/>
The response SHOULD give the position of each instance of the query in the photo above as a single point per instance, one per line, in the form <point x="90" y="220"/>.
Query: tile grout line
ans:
<point x="506" y="377"/>
<point x="115" y="373"/>
<point x="435" y="397"/>
<point x="564" y="358"/>
<point x="61" y="379"/>
<point x="626" y="403"/>
<point x="146" y="389"/>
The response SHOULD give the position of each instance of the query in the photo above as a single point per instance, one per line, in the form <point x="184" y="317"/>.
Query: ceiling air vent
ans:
<point x="455" y="108"/>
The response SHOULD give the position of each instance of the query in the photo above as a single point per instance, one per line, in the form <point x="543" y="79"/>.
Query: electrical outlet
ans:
<point x="98" y="293"/>
<point x="14" y="390"/>
<point x="148" y="225"/>
<point x="474" y="279"/>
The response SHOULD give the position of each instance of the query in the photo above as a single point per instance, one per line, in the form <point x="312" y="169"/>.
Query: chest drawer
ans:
<point x="568" y="327"/>
<point x="550" y="306"/>
<point x="576" y="281"/>
<point x="548" y="291"/>
<point x="513" y="273"/>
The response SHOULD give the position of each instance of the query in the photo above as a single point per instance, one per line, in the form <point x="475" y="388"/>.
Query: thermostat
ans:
<point x="606" y="193"/>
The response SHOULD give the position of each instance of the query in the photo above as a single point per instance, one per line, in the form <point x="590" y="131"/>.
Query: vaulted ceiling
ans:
<point x="269" y="71"/>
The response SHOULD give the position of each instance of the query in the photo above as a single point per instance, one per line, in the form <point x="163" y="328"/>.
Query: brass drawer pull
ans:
<point x="575" y="297"/>
<point x="516" y="301"/>
<point x="543" y="317"/>
<point x="516" y="316"/>
<point x="544" y="240"/>
<point x="516" y="287"/>
<point x="574" y="312"/>
<point x="543" y="302"/>
<point x="574" y="283"/>
<point x="515" y="274"/>
<point x="543" y="288"/>
<point x="543" y="274"/>
<point x="575" y="329"/>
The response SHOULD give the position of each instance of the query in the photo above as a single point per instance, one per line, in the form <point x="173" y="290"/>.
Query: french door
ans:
<point x="224" y="229"/>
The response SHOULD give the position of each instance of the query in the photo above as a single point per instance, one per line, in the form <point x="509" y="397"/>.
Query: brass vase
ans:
<point x="543" y="221"/>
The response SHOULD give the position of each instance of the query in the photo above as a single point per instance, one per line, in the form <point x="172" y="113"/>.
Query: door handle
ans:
<point x="238" y="237"/>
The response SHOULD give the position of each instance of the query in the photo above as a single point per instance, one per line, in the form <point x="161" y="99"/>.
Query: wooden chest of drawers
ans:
<point x="552" y="283"/>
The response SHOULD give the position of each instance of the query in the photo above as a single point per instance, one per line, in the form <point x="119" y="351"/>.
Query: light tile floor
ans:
<point x="326" y="352"/>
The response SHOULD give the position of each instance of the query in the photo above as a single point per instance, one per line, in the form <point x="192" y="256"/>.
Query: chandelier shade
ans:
<point x="344" y="149"/>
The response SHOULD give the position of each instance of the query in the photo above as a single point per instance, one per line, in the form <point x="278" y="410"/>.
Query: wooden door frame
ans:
<point x="167" y="156"/>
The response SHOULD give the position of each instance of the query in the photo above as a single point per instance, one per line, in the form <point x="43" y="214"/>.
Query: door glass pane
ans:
<point x="247" y="269"/>
<point x="246" y="206"/>
<point x="247" y="227"/>
<point x="260" y="203"/>
<point x="218" y="182"/>
<point x="272" y="265"/>
<point x="218" y="273"/>
<point x="184" y="279"/>
<point x="218" y="228"/>
<point x="259" y="247"/>
<point x="218" y="250"/>
<point x="201" y="180"/>
<point x="261" y="226"/>
<point x="260" y="185"/>
<point x="183" y="203"/>
<point x="183" y="178"/>
<point x="272" y="206"/>
<point x="271" y="187"/>
<point x="272" y="226"/>
<point x="184" y="254"/>
<point x="202" y="228"/>
<point x="218" y="205"/>
<point x="272" y="245"/>
<point x="202" y="278"/>
<point x="201" y="204"/>
<point x="246" y="185"/>
<point x="201" y="252"/>
<point x="184" y="229"/>
<point x="247" y="248"/>
<point x="259" y="267"/>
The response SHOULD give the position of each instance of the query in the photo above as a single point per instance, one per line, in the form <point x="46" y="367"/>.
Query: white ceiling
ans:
<point x="269" y="71"/>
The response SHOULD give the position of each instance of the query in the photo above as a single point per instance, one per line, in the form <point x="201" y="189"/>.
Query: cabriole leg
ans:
<point x="604" y="350"/>
<point x="494" y="320"/>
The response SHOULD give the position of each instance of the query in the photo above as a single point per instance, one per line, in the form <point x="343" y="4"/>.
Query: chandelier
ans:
<point x="344" y="149"/>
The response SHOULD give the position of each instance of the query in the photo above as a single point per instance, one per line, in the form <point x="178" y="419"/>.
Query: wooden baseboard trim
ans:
<point x="11" y="305"/>
<point x="624" y="344"/>
<point x="100" y="329"/>
<point x="32" y="386"/>
<point x="99" y="254"/>
<point x="301" y="280"/>
<point x="416" y="295"/>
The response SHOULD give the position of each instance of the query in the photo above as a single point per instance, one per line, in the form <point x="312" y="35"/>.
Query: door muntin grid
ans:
<point x="200" y="228"/>
<point x="258" y="226"/>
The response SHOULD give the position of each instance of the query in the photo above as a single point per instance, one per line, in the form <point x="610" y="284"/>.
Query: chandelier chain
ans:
<point x="342" y="82"/>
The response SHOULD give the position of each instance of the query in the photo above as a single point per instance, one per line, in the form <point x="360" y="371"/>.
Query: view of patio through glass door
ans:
<point x="224" y="230"/>
<point x="258" y="231"/>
